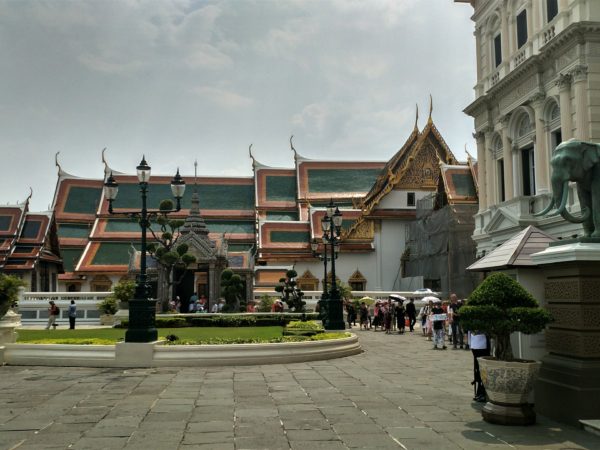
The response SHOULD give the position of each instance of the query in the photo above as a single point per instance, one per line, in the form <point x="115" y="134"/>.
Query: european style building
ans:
<point x="538" y="83"/>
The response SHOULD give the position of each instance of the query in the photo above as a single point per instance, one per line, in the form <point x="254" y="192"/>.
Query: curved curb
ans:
<point x="156" y="355"/>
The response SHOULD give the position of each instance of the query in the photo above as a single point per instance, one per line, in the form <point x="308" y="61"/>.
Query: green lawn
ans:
<point x="112" y="335"/>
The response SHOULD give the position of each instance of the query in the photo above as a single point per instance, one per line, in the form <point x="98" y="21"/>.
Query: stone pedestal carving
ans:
<point x="8" y="323"/>
<point x="568" y="387"/>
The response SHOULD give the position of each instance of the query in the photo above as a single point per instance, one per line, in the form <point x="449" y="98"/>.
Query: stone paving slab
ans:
<point x="397" y="394"/>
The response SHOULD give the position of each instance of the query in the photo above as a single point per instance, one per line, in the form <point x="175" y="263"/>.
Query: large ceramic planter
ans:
<point x="107" y="319"/>
<point x="508" y="384"/>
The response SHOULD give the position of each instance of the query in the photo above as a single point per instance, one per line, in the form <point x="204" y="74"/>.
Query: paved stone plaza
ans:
<point x="398" y="394"/>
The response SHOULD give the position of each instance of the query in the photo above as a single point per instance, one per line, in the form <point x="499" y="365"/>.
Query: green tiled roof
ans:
<point x="284" y="215"/>
<point x="112" y="253"/>
<point x="31" y="229"/>
<point x="5" y="222"/>
<point x="347" y="223"/>
<point x="341" y="180"/>
<point x="464" y="184"/>
<point x="126" y="226"/>
<point x="230" y="226"/>
<point x="213" y="196"/>
<point x="70" y="257"/>
<point x="74" y="230"/>
<point x="290" y="236"/>
<point x="281" y="188"/>
<point x="83" y="200"/>
<point x="240" y="247"/>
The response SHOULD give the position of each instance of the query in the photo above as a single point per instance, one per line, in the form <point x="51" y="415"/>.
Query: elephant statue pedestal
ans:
<point x="568" y="387"/>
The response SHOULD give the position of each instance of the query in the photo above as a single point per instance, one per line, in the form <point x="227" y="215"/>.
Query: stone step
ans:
<point x="591" y="426"/>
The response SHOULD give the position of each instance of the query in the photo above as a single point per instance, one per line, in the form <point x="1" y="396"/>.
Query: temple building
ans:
<point x="263" y="224"/>
<point x="29" y="247"/>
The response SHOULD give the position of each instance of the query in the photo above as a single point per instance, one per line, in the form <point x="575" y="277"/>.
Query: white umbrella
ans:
<point x="430" y="298"/>
<point x="397" y="298"/>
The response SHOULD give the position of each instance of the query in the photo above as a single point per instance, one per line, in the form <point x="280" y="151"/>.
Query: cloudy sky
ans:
<point x="180" y="80"/>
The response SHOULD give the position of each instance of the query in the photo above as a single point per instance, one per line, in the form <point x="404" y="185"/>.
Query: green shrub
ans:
<point x="265" y="304"/>
<point x="109" y="305"/>
<point x="500" y="306"/>
<point x="229" y="320"/>
<point x="306" y="325"/>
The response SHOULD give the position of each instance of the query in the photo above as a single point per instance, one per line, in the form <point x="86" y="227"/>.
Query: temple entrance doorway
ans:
<point x="202" y="288"/>
<point x="185" y="289"/>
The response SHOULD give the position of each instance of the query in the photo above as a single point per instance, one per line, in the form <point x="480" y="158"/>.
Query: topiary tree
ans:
<point x="122" y="292"/>
<point x="9" y="292"/>
<point x="500" y="306"/>
<point x="265" y="304"/>
<point x="290" y="293"/>
<point x="167" y="253"/>
<point x="232" y="287"/>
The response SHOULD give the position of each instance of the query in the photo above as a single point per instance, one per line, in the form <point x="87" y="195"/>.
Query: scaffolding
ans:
<point x="440" y="247"/>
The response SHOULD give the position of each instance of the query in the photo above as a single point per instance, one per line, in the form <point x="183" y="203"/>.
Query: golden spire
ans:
<point x="430" y="120"/>
<point x="417" y="117"/>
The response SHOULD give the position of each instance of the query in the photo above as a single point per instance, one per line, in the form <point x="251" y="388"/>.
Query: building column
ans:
<point x="517" y="172"/>
<point x="530" y="15"/>
<point x="507" y="157"/>
<point x="540" y="152"/>
<point x="564" y="88"/>
<point x="490" y="170"/>
<point x="505" y="36"/>
<point x="477" y="34"/>
<point x="481" y="170"/>
<point x="579" y="74"/>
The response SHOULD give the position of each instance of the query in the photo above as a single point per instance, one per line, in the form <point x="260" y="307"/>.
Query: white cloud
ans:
<point x="206" y="56"/>
<point x="223" y="97"/>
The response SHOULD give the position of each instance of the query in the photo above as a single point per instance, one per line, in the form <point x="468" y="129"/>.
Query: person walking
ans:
<point x="400" y="321"/>
<point x="454" y="317"/>
<point x="480" y="346"/>
<point x="72" y="315"/>
<point x="363" y="313"/>
<point x="53" y="312"/>
<point x="411" y="313"/>
<point x="387" y="317"/>
<point x="350" y="314"/>
<point x="438" y="325"/>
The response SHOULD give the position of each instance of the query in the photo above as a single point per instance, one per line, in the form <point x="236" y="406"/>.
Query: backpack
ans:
<point x="56" y="311"/>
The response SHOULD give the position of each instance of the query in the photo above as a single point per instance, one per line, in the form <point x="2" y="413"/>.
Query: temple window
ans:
<point x="410" y="199"/>
<point x="101" y="283"/>
<point x="308" y="282"/>
<point x="357" y="281"/>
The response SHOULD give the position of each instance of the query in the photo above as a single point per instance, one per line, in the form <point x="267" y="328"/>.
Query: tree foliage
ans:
<point x="167" y="252"/>
<point x="500" y="306"/>
<point x="122" y="292"/>
<point x="290" y="293"/>
<point x="232" y="287"/>
<point x="9" y="292"/>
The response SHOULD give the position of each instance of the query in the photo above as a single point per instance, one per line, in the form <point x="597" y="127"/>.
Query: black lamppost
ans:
<point x="142" y="309"/>
<point x="314" y="245"/>
<point x="332" y="228"/>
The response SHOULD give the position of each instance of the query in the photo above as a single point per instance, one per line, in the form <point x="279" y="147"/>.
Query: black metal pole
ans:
<point x="142" y="310"/>
<point x="335" y="312"/>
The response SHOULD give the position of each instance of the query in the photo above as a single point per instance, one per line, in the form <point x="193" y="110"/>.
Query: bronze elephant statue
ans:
<point x="577" y="161"/>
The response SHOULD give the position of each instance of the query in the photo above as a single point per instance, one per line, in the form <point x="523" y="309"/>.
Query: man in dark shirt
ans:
<point x="453" y="311"/>
<point x="411" y="312"/>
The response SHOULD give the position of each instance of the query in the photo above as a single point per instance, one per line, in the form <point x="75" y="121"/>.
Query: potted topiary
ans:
<point x="9" y="292"/>
<point x="498" y="307"/>
<point x="108" y="307"/>
<point x="122" y="292"/>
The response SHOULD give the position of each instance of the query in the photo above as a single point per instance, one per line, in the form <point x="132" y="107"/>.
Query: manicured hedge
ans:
<point x="227" y="320"/>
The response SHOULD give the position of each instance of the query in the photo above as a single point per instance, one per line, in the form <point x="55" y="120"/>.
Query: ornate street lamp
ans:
<point x="332" y="227"/>
<point x="314" y="245"/>
<point x="142" y="309"/>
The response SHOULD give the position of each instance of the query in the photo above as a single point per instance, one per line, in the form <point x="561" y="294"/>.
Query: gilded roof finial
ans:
<point x="56" y="163"/>
<point x="293" y="149"/>
<point x="417" y="117"/>
<point x="195" y="175"/>
<point x="30" y="195"/>
<point x="430" y="109"/>
<point x="106" y="168"/>
<point x="251" y="156"/>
